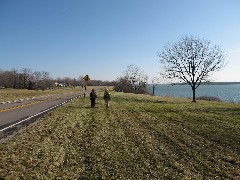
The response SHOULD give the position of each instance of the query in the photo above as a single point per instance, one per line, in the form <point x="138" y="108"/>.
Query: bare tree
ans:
<point x="137" y="79"/>
<point x="46" y="81"/>
<point x="74" y="82"/>
<point x="26" y="75"/>
<point x="3" y="79"/>
<point x="37" y="78"/>
<point x="191" y="60"/>
<point x="134" y="80"/>
<point x="42" y="80"/>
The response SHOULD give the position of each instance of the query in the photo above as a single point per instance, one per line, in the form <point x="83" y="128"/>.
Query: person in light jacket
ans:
<point x="106" y="97"/>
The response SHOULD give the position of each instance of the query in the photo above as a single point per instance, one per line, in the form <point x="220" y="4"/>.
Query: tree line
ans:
<point x="25" y="79"/>
<point x="133" y="80"/>
<point x="41" y="80"/>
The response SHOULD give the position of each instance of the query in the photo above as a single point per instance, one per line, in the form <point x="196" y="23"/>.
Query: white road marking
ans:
<point x="38" y="114"/>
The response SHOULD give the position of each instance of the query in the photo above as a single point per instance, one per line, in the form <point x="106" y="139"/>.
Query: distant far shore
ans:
<point x="221" y="83"/>
<point x="208" y="83"/>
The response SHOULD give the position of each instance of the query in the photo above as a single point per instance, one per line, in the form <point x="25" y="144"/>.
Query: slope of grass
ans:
<point x="138" y="137"/>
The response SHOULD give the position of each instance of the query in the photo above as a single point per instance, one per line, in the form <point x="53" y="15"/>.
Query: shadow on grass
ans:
<point x="82" y="107"/>
<point x="162" y="102"/>
<point x="232" y="111"/>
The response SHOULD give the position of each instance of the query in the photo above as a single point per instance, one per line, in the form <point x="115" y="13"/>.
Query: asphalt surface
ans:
<point x="15" y="115"/>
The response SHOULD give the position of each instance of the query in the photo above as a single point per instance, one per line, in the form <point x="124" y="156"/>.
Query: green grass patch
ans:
<point x="138" y="137"/>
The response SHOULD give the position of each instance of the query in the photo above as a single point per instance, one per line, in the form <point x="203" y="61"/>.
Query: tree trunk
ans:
<point x="153" y="89"/>
<point x="194" y="93"/>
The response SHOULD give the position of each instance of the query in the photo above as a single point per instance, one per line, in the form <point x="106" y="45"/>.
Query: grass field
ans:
<point x="138" y="137"/>
<point x="13" y="94"/>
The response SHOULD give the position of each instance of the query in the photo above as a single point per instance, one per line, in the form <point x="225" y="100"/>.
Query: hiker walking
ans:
<point x="93" y="97"/>
<point x="106" y="97"/>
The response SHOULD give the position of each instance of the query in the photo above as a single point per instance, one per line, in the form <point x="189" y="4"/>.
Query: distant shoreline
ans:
<point x="220" y="83"/>
<point x="205" y="83"/>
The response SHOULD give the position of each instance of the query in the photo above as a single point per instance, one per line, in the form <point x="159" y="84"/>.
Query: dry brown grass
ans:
<point x="138" y="137"/>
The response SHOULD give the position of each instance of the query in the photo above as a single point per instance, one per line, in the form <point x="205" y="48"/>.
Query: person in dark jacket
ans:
<point x="93" y="97"/>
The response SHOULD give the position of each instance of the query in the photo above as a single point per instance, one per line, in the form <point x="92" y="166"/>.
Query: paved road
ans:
<point x="12" y="113"/>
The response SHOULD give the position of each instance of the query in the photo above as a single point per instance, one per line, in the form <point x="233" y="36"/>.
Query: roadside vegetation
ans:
<point x="138" y="137"/>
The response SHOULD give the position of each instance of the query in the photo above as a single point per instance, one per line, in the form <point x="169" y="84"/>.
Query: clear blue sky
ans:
<point x="102" y="37"/>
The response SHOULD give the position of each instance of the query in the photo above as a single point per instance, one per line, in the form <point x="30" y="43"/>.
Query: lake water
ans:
<point x="228" y="93"/>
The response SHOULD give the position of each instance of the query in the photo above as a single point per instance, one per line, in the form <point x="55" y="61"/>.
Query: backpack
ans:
<point x="93" y="95"/>
<point x="107" y="95"/>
